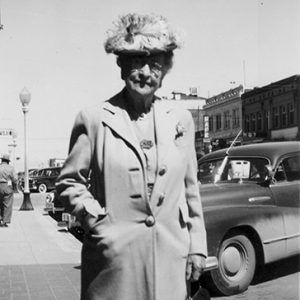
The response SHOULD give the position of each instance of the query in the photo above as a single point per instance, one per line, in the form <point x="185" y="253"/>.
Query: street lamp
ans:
<point x="25" y="98"/>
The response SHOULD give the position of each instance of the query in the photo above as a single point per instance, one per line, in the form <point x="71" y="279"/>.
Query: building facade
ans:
<point x="272" y="112"/>
<point x="223" y="113"/>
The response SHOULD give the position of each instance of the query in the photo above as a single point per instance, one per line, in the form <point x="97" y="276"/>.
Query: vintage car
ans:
<point x="21" y="181"/>
<point x="250" y="197"/>
<point x="44" y="180"/>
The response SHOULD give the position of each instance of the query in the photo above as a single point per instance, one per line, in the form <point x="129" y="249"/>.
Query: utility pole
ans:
<point x="244" y="73"/>
<point x="1" y="25"/>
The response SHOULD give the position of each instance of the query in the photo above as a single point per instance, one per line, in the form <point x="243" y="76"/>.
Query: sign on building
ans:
<point x="206" y="128"/>
<point x="6" y="132"/>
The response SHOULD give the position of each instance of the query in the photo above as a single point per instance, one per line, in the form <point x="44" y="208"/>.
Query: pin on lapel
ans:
<point x="146" y="144"/>
<point x="180" y="130"/>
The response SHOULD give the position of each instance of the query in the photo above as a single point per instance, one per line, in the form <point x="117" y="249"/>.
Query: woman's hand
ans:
<point x="88" y="222"/>
<point x="195" y="266"/>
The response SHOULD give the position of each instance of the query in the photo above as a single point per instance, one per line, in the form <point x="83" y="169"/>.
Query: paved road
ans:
<point x="279" y="281"/>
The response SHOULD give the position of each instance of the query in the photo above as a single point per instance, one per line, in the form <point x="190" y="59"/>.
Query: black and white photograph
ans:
<point x="149" y="150"/>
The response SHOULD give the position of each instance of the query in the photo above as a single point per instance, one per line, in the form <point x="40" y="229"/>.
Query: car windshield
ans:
<point x="235" y="170"/>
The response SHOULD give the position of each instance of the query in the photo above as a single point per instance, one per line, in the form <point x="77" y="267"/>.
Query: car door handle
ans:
<point x="259" y="199"/>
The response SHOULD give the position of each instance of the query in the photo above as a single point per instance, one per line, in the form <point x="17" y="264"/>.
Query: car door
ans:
<point x="286" y="190"/>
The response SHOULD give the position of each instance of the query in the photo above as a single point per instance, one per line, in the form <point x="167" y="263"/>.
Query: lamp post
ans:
<point x="25" y="98"/>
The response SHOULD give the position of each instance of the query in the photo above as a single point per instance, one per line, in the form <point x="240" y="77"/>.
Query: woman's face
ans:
<point x="143" y="75"/>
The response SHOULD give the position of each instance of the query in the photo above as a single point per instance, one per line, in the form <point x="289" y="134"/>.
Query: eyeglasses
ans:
<point x="154" y="63"/>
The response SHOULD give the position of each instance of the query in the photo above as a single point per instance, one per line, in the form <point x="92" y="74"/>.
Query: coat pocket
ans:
<point x="184" y="213"/>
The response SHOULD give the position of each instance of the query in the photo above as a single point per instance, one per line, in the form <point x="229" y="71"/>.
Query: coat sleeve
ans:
<point x="196" y="223"/>
<point x="73" y="180"/>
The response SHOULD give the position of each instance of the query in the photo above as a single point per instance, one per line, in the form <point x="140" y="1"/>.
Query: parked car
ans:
<point x="250" y="197"/>
<point x="44" y="180"/>
<point x="21" y="181"/>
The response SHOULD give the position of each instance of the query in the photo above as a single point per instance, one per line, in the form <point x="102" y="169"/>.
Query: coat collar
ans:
<point x="116" y="117"/>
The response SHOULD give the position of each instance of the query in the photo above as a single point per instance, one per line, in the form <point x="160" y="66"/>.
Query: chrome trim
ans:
<point x="281" y="238"/>
<point x="261" y="198"/>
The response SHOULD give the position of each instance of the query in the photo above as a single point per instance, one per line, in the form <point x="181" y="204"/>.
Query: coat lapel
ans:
<point x="164" y="129"/>
<point x="116" y="117"/>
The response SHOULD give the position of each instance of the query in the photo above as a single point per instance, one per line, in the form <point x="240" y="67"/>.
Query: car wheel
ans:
<point x="237" y="263"/>
<point x="42" y="188"/>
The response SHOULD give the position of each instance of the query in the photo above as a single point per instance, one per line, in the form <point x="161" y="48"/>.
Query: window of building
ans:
<point x="226" y="120"/>
<point x="283" y="116"/>
<point x="291" y="114"/>
<point x="252" y="122"/>
<point x="247" y="123"/>
<point x="211" y="123"/>
<point x="218" y="122"/>
<point x="258" y="121"/>
<point x="235" y="118"/>
<point x="266" y="120"/>
<point x="275" y="117"/>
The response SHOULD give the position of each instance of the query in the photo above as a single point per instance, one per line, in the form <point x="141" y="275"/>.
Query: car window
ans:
<point x="208" y="170"/>
<point x="40" y="173"/>
<point x="48" y="172"/>
<point x="55" y="172"/>
<point x="253" y="169"/>
<point x="288" y="169"/>
<point x="235" y="170"/>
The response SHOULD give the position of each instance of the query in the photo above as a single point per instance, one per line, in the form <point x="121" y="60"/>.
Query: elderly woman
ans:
<point x="131" y="177"/>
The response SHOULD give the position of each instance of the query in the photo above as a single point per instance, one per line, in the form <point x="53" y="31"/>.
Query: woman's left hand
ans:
<point x="195" y="266"/>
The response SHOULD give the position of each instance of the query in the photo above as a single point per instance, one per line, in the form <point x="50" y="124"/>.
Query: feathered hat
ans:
<point x="141" y="34"/>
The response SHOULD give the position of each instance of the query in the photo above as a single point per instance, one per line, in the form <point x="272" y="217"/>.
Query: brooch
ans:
<point x="146" y="144"/>
<point x="180" y="130"/>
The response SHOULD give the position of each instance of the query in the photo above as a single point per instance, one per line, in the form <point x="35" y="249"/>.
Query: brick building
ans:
<point x="272" y="112"/>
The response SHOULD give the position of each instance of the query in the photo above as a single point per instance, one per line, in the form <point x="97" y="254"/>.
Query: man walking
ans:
<point x="8" y="182"/>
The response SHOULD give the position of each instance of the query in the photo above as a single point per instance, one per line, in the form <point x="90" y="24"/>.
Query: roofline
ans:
<point x="271" y="86"/>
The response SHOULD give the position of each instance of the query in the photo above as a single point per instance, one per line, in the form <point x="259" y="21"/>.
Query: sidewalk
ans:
<point x="38" y="260"/>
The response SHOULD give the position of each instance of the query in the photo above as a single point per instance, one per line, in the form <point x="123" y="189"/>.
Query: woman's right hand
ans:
<point x="88" y="222"/>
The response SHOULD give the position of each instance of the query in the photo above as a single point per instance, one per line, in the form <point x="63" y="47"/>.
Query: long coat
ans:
<point x="138" y="251"/>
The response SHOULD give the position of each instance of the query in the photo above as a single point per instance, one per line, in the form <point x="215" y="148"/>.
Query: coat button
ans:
<point x="149" y="221"/>
<point x="162" y="170"/>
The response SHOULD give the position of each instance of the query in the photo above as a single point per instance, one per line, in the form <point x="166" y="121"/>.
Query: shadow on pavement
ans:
<point x="278" y="269"/>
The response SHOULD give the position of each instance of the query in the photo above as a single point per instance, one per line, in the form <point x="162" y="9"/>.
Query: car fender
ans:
<point x="267" y="226"/>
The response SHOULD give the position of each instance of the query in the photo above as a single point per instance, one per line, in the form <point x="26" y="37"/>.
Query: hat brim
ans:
<point x="140" y="52"/>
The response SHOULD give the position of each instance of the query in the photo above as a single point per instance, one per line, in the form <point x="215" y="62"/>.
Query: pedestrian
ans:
<point x="8" y="183"/>
<point x="131" y="177"/>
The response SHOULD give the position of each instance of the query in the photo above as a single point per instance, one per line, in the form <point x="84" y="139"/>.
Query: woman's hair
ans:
<point x="168" y="59"/>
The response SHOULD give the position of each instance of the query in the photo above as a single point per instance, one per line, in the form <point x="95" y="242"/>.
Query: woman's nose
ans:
<point x="145" y="70"/>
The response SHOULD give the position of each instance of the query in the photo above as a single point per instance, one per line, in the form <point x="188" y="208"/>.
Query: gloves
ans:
<point x="195" y="266"/>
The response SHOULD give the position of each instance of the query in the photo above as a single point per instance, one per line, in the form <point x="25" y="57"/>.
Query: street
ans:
<point x="279" y="281"/>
